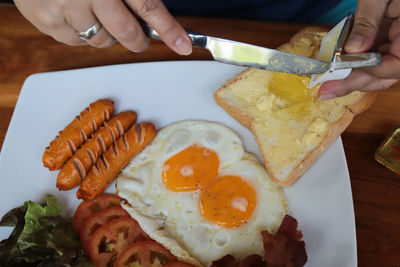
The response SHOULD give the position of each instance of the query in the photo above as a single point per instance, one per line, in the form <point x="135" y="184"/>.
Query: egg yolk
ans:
<point x="293" y="89"/>
<point x="190" y="169"/>
<point x="228" y="201"/>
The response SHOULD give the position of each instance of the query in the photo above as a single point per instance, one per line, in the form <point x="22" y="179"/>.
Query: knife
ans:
<point x="242" y="54"/>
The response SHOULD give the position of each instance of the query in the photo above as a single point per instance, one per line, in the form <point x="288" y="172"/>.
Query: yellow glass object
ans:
<point x="388" y="153"/>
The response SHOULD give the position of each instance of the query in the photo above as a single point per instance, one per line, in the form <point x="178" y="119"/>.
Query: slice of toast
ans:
<point x="291" y="143"/>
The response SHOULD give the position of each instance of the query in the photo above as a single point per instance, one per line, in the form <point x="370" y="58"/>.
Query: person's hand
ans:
<point x="64" y="19"/>
<point x="376" y="25"/>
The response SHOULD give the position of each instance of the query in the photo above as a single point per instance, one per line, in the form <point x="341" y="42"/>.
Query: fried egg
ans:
<point x="198" y="193"/>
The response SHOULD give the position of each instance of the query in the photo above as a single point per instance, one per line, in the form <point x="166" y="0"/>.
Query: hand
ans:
<point x="63" y="19"/>
<point x="376" y="25"/>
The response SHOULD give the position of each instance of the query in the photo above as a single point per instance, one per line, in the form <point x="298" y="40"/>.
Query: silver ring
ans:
<point x="90" y="32"/>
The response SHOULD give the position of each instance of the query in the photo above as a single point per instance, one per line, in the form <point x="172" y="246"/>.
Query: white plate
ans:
<point x="165" y="92"/>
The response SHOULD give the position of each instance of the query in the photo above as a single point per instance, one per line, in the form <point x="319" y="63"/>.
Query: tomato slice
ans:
<point x="96" y="220"/>
<point x="178" y="264"/>
<point x="144" y="254"/>
<point x="88" y="207"/>
<point x="108" y="241"/>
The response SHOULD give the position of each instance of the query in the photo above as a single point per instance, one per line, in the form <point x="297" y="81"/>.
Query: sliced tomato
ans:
<point x="98" y="219"/>
<point x="108" y="241"/>
<point x="88" y="207"/>
<point x="144" y="254"/>
<point x="178" y="264"/>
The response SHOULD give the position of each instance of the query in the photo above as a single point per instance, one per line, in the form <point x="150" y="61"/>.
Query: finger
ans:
<point x="49" y="20"/>
<point x="393" y="9"/>
<point x="80" y="16"/>
<point x="384" y="48"/>
<point x="358" y="80"/>
<point x="387" y="69"/>
<point x="395" y="47"/>
<point x="355" y="81"/>
<point x="171" y="32"/>
<point x="367" y="20"/>
<point x="383" y="33"/>
<point x="379" y="84"/>
<point x="394" y="30"/>
<point x="121" y="24"/>
<point x="67" y="35"/>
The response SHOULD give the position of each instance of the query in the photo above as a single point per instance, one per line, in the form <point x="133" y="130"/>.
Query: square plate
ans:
<point x="165" y="92"/>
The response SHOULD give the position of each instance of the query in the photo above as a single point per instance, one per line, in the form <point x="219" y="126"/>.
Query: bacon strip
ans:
<point x="285" y="248"/>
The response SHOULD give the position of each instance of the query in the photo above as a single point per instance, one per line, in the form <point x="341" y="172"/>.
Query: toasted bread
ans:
<point x="289" y="144"/>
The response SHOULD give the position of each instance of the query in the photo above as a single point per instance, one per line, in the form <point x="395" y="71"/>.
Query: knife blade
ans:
<point x="248" y="55"/>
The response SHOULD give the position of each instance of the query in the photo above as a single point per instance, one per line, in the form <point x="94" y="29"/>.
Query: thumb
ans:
<point x="367" y="20"/>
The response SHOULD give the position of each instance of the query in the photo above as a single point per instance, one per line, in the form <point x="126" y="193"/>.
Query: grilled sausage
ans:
<point x="115" y="159"/>
<point x="76" y="168"/>
<point x="69" y="139"/>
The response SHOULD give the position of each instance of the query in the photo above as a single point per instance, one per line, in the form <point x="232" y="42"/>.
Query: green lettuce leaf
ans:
<point x="32" y="220"/>
<point x="41" y="237"/>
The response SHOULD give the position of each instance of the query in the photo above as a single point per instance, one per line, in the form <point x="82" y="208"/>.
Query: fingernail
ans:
<point x="326" y="97"/>
<point x="183" y="46"/>
<point x="354" y="43"/>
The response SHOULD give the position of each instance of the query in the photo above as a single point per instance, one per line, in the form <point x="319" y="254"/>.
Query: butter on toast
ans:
<point x="291" y="135"/>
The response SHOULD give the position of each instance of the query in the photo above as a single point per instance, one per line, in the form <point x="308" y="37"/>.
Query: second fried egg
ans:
<point x="198" y="193"/>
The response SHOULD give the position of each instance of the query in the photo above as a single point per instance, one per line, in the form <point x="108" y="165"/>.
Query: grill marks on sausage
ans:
<point x="139" y="130"/>
<point x="115" y="150"/>
<point x="101" y="144"/>
<point x="125" y="142"/>
<point x="120" y="128"/>
<point x="115" y="159"/>
<point x="71" y="146"/>
<point x="91" y="156"/>
<point x="66" y="143"/>
<point x="94" y="125"/>
<point x="113" y="135"/>
<point x="106" y="115"/>
<point x="84" y="136"/>
<point x="86" y="155"/>
<point x="104" y="162"/>
<point x="80" y="168"/>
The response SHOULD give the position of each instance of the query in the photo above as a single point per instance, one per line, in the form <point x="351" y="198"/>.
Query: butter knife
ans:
<point x="242" y="54"/>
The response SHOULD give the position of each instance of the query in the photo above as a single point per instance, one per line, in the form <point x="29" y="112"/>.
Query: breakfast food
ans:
<point x="96" y="220"/>
<point x="115" y="159"/>
<point x="143" y="252"/>
<point x="89" y="207"/>
<point x="112" y="238"/>
<point x="41" y="236"/>
<point x="77" y="132"/>
<point x="197" y="192"/>
<point x="285" y="248"/>
<point x="291" y="126"/>
<point x="76" y="168"/>
<point x="97" y="148"/>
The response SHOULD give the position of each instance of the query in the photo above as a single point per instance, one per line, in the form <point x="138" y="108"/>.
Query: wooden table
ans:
<point x="376" y="190"/>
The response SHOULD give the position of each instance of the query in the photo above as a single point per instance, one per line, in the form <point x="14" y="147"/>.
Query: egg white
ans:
<point x="173" y="218"/>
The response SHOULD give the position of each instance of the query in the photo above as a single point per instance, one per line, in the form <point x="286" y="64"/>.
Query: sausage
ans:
<point x="76" y="168"/>
<point x="115" y="159"/>
<point x="75" y="133"/>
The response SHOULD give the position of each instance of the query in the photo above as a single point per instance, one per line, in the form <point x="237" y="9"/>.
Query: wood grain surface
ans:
<point x="376" y="190"/>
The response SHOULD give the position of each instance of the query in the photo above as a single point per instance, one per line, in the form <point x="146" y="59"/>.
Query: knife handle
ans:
<point x="198" y="40"/>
